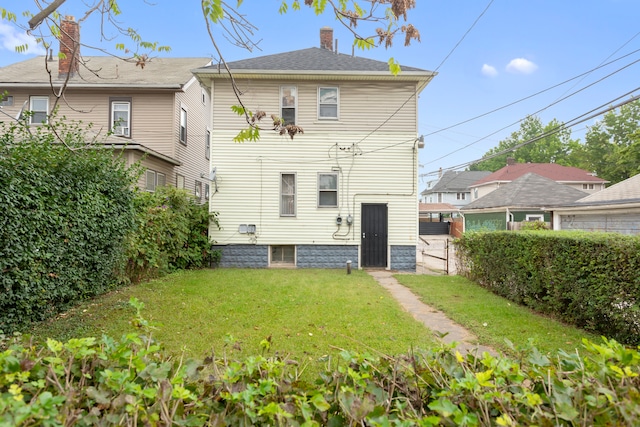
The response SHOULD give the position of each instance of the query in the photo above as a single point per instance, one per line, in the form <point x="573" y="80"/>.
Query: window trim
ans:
<point x="156" y="175"/>
<point x="178" y="179"/>
<point x="536" y="217"/>
<point x="324" y="190"/>
<point x="337" y="103"/>
<point x="461" y="196"/>
<point x="295" y="188"/>
<point x="121" y="100"/>
<point x="46" y="111"/>
<point x="197" y="191"/>
<point x="273" y="263"/>
<point x="295" y="102"/>
<point x="6" y="101"/>
<point x="182" y="129"/>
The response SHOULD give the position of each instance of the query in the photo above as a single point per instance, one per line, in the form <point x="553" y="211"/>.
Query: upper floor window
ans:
<point x="197" y="192"/>
<point x="39" y="107"/>
<point x="328" y="103"/>
<point x="288" y="194"/>
<point x="288" y="104"/>
<point x="6" y="101"/>
<point x="461" y="196"/>
<point x="183" y="125"/>
<point x="155" y="180"/>
<point x="588" y="186"/>
<point x="207" y="144"/>
<point x="327" y="190"/>
<point x="121" y="117"/>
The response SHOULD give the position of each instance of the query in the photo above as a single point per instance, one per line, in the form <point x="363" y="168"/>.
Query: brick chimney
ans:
<point x="69" y="47"/>
<point x="511" y="161"/>
<point x="326" y="38"/>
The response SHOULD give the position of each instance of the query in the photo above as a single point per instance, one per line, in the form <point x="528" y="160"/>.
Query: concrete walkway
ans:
<point x="429" y="316"/>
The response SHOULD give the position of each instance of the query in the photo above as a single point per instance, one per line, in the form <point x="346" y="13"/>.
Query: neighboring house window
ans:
<point x="198" y="190"/>
<point x="7" y="101"/>
<point x="121" y="117"/>
<point x="183" y="125"/>
<point x="179" y="181"/>
<point x="155" y="180"/>
<point x="588" y="186"/>
<point x="531" y="217"/>
<point x="287" y="194"/>
<point x="39" y="107"/>
<point x="283" y="254"/>
<point x="207" y="144"/>
<point x="327" y="190"/>
<point x="206" y="191"/>
<point x="475" y="193"/>
<point x="439" y="197"/>
<point x="328" y="103"/>
<point x="288" y="103"/>
<point x="462" y="196"/>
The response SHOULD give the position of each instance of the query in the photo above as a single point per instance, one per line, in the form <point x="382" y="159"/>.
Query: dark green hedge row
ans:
<point x="591" y="280"/>
<point x="130" y="382"/>
<point x="65" y="209"/>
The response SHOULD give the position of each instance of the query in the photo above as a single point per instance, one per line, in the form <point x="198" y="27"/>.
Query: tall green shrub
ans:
<point x="65" y="208"/>
<point x="588" y="279"/>
<point x="171" y="233"/>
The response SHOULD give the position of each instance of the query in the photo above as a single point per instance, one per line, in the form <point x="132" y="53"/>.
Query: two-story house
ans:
<point x="452" y="187"/>
<point x="577" y="178"/>
<point x="344" y="190"/>
<point x="157" y="112"/>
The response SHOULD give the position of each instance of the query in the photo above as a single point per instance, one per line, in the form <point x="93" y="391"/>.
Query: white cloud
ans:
<point x="521" y="66"/>
<point x="10" y="37"/>
<point x="489" y="70"/>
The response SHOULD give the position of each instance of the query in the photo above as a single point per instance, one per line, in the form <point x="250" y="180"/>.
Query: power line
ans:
<point x="535" y="112"/>
<point x="573" y="122"/>
<point x="463" y="36"/>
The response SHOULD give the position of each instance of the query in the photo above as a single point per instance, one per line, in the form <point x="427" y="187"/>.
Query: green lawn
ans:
<point x="493" y="318"/>
<point x="307" y="314"/>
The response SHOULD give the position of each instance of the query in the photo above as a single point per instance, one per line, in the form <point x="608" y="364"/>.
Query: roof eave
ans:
<point x="137" y="86"/>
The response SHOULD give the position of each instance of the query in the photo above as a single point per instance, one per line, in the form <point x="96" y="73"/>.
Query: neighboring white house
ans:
<point x="344" y="190"/>
<point x="614" y="209"/>
<point x="452" y="187"/>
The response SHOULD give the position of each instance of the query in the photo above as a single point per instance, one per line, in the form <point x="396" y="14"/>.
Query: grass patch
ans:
<point x="307" y="314"/>
<point x="493" y="318"/>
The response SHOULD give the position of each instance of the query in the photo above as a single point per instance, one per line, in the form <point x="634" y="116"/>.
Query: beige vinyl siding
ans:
<point x="363" y="106"/>
<point x="249" y="186"/>
<point x="192" y="155"/>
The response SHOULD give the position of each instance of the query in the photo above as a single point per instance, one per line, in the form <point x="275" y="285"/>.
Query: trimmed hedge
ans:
<point x="131" y="382"/>
<point x="591" y="280"/>
<point x="65" y="209"/>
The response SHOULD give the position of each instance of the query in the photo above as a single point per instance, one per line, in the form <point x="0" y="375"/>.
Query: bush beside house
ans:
<point x="588" y="279"/>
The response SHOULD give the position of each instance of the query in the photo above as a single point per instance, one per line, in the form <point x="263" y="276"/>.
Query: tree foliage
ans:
<point x="556" y="146"/>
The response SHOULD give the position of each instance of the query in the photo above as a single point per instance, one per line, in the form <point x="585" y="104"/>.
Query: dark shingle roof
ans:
<point x="552" y="171"/>
<point x="311" y="59"/>
<point x="456" y="181"/>
<point x="529" y="190"/>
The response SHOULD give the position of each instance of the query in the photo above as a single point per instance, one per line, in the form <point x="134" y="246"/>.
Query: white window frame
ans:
<point x="288" y="197"/>
<point x="321" y="103"/>
<point x="34" y="111"/>
<point x="287" y="100"/>
<point x="461" y="196"/>
<point x="197" y="191"/>
<point x="119" y="129"/>
<point x="182" y="131"/>
<point x="206" y="191"/>
<point x="179" y="181"/>
<point x="327" y="190"/>
<point x="534" y="217"/>
<point x="6" y="101"/>
<point x="154" y="180"/>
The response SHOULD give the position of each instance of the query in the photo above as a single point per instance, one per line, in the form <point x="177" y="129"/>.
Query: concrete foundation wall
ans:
<point x="403" y="258"/>
<point x="326" y="256"/>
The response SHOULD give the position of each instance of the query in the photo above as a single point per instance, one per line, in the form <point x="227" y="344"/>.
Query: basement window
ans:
<point x="283" y="256"/>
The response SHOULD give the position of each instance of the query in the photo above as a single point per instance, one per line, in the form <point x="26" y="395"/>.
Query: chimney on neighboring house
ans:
<point x="511" y="161"/>
<point x="326" y="38"/>
<point x="69" y="47"/>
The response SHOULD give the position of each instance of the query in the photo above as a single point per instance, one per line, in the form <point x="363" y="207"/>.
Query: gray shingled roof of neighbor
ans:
<point x="456" y="181"/>
<point x="528" y="191"/>
<point x="623" y="192"/>
<point x="104" y="71"/>
<point x="314" y="62"/>
<point x="554" y="171"/>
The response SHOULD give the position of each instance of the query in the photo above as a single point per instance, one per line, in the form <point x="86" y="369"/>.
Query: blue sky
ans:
<point x="516" y="49"/>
